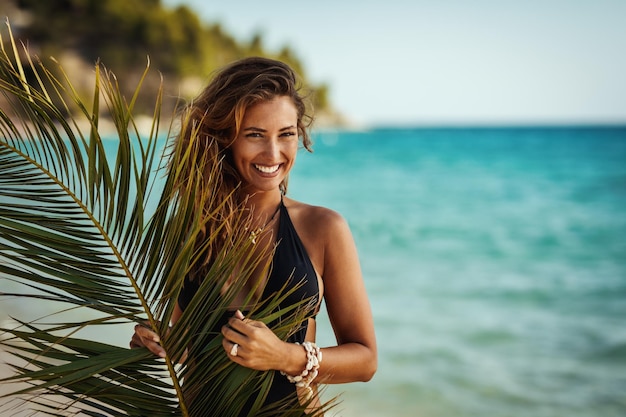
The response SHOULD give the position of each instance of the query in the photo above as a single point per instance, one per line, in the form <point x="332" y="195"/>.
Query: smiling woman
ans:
<point x="265" y="149"/>
<point x="249" y="122"/>
<point x="225" y="278"/>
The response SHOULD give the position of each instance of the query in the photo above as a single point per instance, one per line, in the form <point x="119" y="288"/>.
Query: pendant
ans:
<point x="254" y="234"/>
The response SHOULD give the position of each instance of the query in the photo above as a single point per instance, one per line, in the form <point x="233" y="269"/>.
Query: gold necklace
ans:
<point x="256" y="232"/>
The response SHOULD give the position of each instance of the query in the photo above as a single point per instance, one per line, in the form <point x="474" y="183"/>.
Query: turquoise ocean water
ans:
<point x="495" y="261"/>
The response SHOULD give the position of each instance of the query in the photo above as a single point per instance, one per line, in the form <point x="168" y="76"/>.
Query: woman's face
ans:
<point x="266" y="147"/>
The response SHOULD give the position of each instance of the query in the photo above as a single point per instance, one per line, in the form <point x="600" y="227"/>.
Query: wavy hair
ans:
<point x="210" y="124"/>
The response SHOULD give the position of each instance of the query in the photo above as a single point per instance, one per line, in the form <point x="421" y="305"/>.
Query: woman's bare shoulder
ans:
<point x="312" y="216"/>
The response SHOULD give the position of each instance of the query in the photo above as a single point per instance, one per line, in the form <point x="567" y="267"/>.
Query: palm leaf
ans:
<point x="105" y="234"/>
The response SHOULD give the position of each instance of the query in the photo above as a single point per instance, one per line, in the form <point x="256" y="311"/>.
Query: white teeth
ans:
<point x="267" y="169"/>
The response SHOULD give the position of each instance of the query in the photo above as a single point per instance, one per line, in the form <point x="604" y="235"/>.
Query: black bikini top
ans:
<point x="291" y="266"/>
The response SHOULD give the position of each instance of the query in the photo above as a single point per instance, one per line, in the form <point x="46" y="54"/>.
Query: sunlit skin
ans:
<point x="264" y="152"/>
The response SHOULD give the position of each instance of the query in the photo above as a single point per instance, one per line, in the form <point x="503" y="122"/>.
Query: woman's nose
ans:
<point x="272" y="148"/>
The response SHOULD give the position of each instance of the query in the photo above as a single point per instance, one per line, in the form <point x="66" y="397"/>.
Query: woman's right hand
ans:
<point x="144" y="337"/>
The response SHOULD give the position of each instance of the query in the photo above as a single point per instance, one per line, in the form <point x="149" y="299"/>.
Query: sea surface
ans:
<point x="495" y="261"/>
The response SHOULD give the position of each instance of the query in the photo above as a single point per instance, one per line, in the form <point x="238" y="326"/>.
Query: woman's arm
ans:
<point x="355" y="357"/>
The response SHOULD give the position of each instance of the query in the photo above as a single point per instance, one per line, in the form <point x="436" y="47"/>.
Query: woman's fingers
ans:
<point x="250" y="343"/>
<point x="235" y="334"/>
<point x="144" y="337"/>
<point x="245" y="326"/>
<point x="233" y="349"/>
<point x="156" y="349"/>
<point x="146" y="334"/>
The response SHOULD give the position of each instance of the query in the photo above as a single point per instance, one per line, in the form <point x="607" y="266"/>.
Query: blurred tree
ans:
<point x="123" y="34"/>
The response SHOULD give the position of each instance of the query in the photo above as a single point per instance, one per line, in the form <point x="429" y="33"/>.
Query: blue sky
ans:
<point x="449" y="61"/>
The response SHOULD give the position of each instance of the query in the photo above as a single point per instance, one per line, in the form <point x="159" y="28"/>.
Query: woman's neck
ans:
<point x="263" y="205"/>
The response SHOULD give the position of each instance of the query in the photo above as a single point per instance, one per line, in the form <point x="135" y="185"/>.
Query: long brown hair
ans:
<point x="210" y="124"/>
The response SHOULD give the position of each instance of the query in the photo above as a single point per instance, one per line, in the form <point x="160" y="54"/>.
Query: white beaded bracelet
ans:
<point x="313" y="361"/>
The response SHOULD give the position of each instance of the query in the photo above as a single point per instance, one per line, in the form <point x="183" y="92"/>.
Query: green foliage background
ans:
<point x="124" y="33"/>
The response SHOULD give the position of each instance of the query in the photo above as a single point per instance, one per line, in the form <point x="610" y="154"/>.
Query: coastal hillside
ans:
<point x="125" y="35"/>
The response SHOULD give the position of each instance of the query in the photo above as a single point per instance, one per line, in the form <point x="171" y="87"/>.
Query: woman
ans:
<point x="256" y="119"/>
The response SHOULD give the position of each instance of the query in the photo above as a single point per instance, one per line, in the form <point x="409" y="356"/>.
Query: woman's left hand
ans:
<point x="257" y="347"/>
